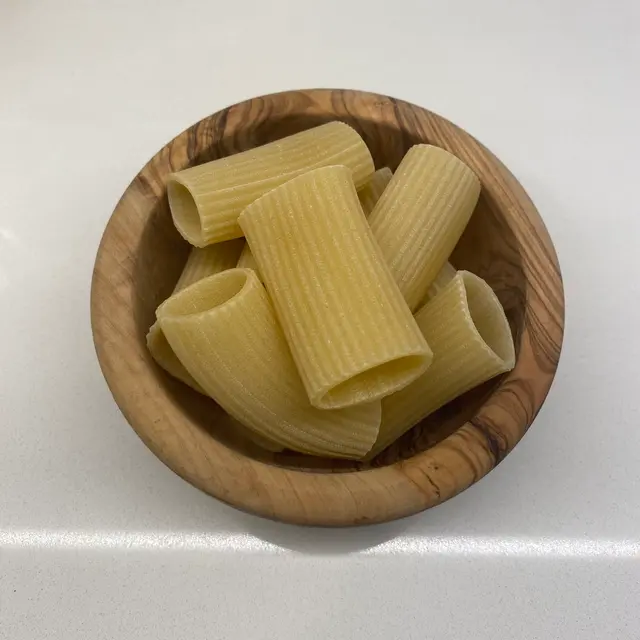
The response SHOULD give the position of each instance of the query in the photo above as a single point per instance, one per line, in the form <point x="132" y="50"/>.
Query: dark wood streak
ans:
<point x="140" y="258"/>
<point x="495" y="440"/>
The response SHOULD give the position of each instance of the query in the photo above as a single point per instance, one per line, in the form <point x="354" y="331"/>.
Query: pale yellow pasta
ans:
<point x="262" y="441"/>
<point x="163" y="354"/>
<point x="247" y="261"/>
<point x="200" y="264"/>
<point x="369" y="194"/>
<point x="468" y="331"/>
<point x="225" y="332"/>
<point x="421" y="215"/>
<point x="446" y="274"/>
<point x="206" y="261"/>
<point x="350" y="331"/>
<point x="371" y="191"/>
<point x="206" y="200"/>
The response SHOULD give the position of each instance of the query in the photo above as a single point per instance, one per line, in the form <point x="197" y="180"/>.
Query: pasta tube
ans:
<point x="163" y="354"/>
<point x="206" y="261"/>
<point x="369" y="195"/>
<point x="468" y="331"/>
<point x="206" y="200"/>
<point x="371" y="191"/>
<point x="421" y="215"/>
<point x="351" y="333"/>
<point x="200" y="263"/>
<point x="247" y="261"/>
<point x="442" y="279"/>
<point x="224" y="330"/>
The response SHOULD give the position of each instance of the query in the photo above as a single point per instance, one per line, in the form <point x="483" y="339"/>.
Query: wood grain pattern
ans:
<point x="141" y="256"/>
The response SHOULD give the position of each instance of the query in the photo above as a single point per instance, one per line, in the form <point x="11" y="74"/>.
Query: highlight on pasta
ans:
<point x="318" y="306"/>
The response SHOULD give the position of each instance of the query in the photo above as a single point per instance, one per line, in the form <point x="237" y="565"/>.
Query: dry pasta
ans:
<point x="200" y="264"/>
<point x="421" y="215"/>
<point x="369" y="195"/>
<point x="371" y="191"/>
<point x="206" y="261"/>
<point x="206" y="200"/>
<point x="468" y="331"/>
<point x="247" y="261"/>
<point x="224" y="330"/>
<point x="446" y="274"/>
<point x="350" y="331"/>
<point x="163" y="354"/>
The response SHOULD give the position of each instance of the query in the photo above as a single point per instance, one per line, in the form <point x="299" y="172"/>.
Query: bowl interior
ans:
<point x="488" y="248"/>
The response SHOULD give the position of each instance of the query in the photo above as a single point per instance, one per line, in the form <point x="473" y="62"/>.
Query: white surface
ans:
<point x="99" y="540"/>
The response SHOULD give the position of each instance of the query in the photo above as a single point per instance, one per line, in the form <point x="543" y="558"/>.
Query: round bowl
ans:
<point x="506" y="243"/>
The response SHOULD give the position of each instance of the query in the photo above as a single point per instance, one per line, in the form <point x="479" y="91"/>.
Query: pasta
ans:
<point x="351" y="333"/>
<point x="421" y="215"/>
<point x="206" y="200"/>
<point x="206" y="261"/>
<point x="370" y="193"/>
<point x="442" y="279"/>
<point x="228" y="319"/>
<point x="200" y="263"/>
<point x="247" y="261"/>
<point x="468" y="331"/>
<point x="163" y="354"/>
<point x="304" y="333"/>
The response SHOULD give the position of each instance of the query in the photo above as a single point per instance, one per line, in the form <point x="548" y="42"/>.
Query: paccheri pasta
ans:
<point x="370" y="192"/>
<point x="468" y="331"/>
<point x="421" y="215"/>
<point x="247" y="261"/>
<point x="207" y="261"/>
<point x="202" y="262"/>
<point x="350" y="331"/>
<point x="228" y="319"/>
<point x="303" y="330"/>
<point x="369" y="195"/>
<point x="207" y="199"/>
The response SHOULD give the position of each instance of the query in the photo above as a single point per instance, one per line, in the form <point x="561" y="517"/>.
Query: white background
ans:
<point x="99" y="540"/>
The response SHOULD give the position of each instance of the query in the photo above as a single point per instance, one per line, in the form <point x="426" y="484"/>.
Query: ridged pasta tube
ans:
<point x="350" y="330"/>
<point x="202" y="262"/>
<point x="207" y="261"/>
<point x="468" y="331"/>
<point x="446" y="274"/>
<point x="225" y="332"/>
<point x="369" y="195"/>
<point x="371" y="191"/>
<point x="247" y="261"/>
<point x="207" y="199"/>
<point x="421" y="215"/>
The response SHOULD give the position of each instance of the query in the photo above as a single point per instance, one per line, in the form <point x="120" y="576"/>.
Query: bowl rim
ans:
<point x="373" y="495"/>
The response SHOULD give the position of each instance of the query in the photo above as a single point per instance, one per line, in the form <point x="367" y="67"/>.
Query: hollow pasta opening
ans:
<point x="376" y="382"/>
<point x="206" y="294"/>
<point x="185" y="212"/>
<point x="488" y="317"/>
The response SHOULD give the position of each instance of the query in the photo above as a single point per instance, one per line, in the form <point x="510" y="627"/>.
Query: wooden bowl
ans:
<point x="141" y="256"/>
